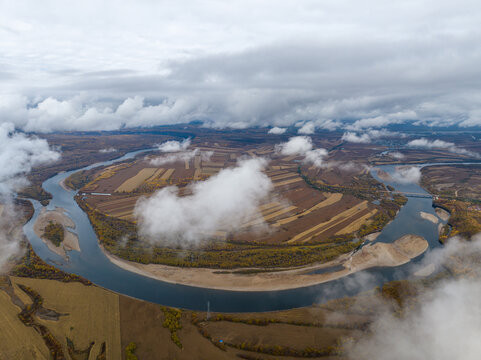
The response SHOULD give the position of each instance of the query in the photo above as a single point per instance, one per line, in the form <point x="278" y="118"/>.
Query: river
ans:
<point x="92" y="264"/>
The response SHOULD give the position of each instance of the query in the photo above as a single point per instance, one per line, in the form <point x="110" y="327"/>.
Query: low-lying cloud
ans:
<point x="302" y="146"/>
<point x="277" y="130"/>
<point x="307" y="129"/>
<point x="181" y="156"/>
<point x="225" y="201"/>
<point x="18" y="155"/>
<point x="445" y="325"/>
<point x="424" y="143"/>
<point x="368" y="136"/>
<point x="174" y="145"/>
<point x="407" y="175"/>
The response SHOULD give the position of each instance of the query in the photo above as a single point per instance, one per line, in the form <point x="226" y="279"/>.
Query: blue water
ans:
<point x="92" y="264"/>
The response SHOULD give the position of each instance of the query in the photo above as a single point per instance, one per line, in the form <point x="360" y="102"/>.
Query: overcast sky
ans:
<point x="70" y="65"/>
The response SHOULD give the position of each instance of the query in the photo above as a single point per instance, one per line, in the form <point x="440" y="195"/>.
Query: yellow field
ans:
<point x="212" y="164"/>
<point x="18" y="341"/>
<point x="287" y="182"/>
<point x="332" y="198"/>
<point x="324" y="226"/>
<point x="271" y="213"/>
<point x="283" y="176"/>
<point x="137" y="180"/>
<point x="356" y="225"/>
<point x="197" y="174"/>
<point x="93" y="314"/>
<point x="166" y="176"/>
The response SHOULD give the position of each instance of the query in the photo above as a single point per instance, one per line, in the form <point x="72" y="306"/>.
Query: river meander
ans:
<point x="92" y="264"/>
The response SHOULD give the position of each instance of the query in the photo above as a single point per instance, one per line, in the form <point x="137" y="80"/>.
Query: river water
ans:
<point x="92" y="264"/>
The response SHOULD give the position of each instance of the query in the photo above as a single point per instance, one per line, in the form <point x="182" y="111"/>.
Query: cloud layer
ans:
<point x="423" y="143"/>
<point x="407" y="175"/>
<point x="302" y="146"/>
<point x="445" y="325"/>
<point x="223" y="202"/>
<point x="328" y="64"/>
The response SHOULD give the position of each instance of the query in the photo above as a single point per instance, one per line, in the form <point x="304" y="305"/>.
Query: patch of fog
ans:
<point x="225" y="201"/>
<point x="446" y="323"/>
<point x="18" y="155"/>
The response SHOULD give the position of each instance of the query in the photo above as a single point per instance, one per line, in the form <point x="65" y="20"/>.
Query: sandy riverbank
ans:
<point x="443" y="214"/>
<point x="63" y="186"/>
<point x="70" y="241"/>
<point x="429" y="217"/>
<point x="399" y="252"/>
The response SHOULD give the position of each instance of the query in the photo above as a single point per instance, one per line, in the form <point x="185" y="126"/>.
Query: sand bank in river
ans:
<point x="443" y="214"/>
<point x="70" y="241"/>
<point x="399" y="252"/>
<point x="429" y="217"/>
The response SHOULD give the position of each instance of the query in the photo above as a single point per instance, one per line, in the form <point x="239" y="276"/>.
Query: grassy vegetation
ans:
<point x="36" y="192"/>
<point x="78" y="179"/>
<point x="32" y="266"/>
<point x="172" y="322"/>
<point x="54" y="232"/>
<point x="464" y="221"/>
<point x="364" y="186"/>
<point x="130" y="351"/>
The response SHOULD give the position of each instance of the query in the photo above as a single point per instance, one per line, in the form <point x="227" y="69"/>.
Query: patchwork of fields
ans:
<point x="296" y="213"/>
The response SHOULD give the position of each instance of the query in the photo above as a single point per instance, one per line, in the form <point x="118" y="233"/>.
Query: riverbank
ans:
<point x="58" y="216"/>
<point x="397" y="253"/>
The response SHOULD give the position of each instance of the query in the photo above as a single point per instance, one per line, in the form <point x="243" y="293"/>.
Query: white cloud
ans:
<point x="297" y="145"/>
<point x="223" y="202"/>
<point x="173" y="145"/>
<point x="407" y="175"/>
<point x="302" y="146"/>
<point x="444" y="325"/>
<point x="277" y="130"/>
<point x="368" y="136"/>
<point x="173" y="63"/>
<point x="181" y="156"/>
<point x="18" y="155"/>
<point x="397" y="155"/>
<point x="424" y="143"/>
<point x="108" y="150"/>
<point x="355" y="138"/>
<point x="307" y="129"/>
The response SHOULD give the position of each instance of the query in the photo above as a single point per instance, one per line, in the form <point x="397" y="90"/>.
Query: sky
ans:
<point x="353" y="65"/>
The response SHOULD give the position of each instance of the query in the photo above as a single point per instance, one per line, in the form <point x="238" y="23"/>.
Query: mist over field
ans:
<point x="225" y="201"/>
<point x="18" y="155"/>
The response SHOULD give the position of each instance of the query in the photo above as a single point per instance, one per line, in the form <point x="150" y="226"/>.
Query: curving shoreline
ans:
<point x="393" y="254"/>
<point x="70" y="242"/>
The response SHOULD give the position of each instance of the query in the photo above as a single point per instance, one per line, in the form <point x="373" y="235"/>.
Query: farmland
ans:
<point x="310" y="216"/>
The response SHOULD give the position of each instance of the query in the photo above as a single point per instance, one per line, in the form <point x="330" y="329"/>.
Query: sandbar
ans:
<point x="58" y="215"/>
<point x="429" y="217"/>
<point x="397" y="253"/>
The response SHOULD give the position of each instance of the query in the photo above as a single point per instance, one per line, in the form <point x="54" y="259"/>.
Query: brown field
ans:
<point x="461" y="181"/>
<point x="93" y="314"/>
<point x="295" y="213"/>
<point x="137" y="180"/>
<point x="326" y="225"/>
<point x="18" y="341"/>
